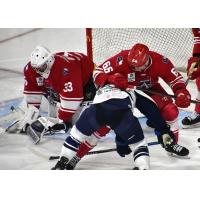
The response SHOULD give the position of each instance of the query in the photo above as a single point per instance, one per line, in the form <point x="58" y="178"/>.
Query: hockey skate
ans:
<point x="136" y="168"/>
<point x="176" y="150"/>
<point x="191" y="121"/>
<point x="65" y="164"/>
<point x="61" y="164"/>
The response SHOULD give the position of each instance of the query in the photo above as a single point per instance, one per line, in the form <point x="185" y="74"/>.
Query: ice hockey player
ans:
<point x="114" y="108"/>
<point x="193" y="72"/>
<point x="64" y="78"/>
<point x="143" y="68"/>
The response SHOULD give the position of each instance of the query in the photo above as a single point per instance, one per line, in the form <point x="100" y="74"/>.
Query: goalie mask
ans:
<point x="138" y="57"/>
<point x="42" y="60"/>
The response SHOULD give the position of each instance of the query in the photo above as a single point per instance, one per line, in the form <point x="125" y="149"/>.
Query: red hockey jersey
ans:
<point x="160" y="67"/>
<point x="69" y="74"/>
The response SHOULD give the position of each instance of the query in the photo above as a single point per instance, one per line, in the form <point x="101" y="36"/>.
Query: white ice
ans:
<point x="18" y="152"/>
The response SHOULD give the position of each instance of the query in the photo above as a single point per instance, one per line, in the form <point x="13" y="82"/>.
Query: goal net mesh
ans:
<point x="174" y="43"/>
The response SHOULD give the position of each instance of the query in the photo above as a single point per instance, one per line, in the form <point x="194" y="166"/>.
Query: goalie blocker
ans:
<point x="46" y="126"/>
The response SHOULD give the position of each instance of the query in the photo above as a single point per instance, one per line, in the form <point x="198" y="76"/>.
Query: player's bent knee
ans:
<point x="170" y="112"/>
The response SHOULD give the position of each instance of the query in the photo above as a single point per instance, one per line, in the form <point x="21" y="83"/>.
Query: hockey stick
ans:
<point x="167" y="95"/>
<point x="101" y="151"/>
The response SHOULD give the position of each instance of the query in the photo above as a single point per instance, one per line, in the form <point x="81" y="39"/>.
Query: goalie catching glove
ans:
<point x="46" y="125"/>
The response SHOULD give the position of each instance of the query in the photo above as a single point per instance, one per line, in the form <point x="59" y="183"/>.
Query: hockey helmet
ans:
<point x="42" y="60"/>
<point x="138" y="57"/>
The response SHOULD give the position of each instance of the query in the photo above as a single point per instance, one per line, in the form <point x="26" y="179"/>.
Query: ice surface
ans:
<point x="17" y="151"/>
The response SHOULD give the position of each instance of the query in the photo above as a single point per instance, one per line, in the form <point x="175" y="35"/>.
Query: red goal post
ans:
<point x="174" y="43"/>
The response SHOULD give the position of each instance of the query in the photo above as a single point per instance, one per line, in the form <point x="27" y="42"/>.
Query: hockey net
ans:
<point x="174" y="43"/>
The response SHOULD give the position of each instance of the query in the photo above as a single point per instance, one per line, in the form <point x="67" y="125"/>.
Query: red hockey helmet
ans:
<point x="138" y="56"/>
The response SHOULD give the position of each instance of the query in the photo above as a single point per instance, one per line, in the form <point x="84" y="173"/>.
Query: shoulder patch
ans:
<point x="65" y="71"/>
<point x="40" y="81"/>
<point x="120" y="60"/>
<point x="165" y="60"/>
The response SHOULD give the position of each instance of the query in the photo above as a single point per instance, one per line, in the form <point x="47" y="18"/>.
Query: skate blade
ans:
<point x="177" y="156"/>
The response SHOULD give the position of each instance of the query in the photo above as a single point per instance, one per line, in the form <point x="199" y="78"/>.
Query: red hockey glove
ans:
<point x="119" y="80"/>
<point x="183" y="98"/>
<point x="193" y="71"/>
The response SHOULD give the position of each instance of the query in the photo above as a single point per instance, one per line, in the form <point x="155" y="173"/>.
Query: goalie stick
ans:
<point x="101" y="151"/>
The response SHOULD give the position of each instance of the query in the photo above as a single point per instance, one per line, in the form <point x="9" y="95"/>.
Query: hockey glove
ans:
<point x="45" y="125"/>
<point x="122" y="148"/>
<point x="165" y="138"/>
<point x="193" y="71"/>
<point x="119" y="80"/>
<point x="183" y="98"/>
<point x="61" y="126"/>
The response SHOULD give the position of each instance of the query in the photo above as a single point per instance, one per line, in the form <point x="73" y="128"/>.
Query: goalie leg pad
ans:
<point x="13" y="127"/>
<point x="20" y="125"/>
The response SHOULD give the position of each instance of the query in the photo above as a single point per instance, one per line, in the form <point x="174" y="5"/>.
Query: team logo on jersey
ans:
<point x="145" y="84"/>
<point x="65" y="71"/>
<point x="40" y="81"/>
<point x="131" y="77"/>
<point x="120" y="60"/>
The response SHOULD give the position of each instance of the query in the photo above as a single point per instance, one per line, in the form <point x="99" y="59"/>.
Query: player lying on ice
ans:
<point x="114" y="108"/>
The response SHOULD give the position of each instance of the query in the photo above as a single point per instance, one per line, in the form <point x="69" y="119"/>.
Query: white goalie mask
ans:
<point x="42" y="60"/>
